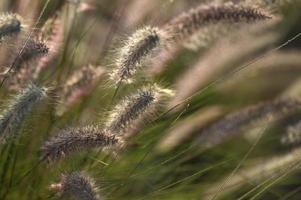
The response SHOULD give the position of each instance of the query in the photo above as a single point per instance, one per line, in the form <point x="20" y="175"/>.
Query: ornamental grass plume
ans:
<point x="10" y="24"/>
<point x="18" y="70"/>
<point x="231" y="124"/>
<point x="137" y="47"/>
<point x="74" y="140"/>
<point x="202" y="26"/>
<point x="188" y="23"/>
<point x="135" y="107"/>
<point x="37" y="53"/>
<point x="77" y="184"/>
<point x="28" y="50"/>
<point x="18" y="108"/>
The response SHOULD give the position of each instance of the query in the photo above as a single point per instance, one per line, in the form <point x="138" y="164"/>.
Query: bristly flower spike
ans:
<point x="190" y="22"/>
<point x="137" y="47"/>
<point x="77" y="184"/>
<point x="135" y="107"/>
<point x="12" y="117"/>
<point x="76" y="139"/>
<point x="10" y="24"/>
<point x="228" y="126"/>
<point x="28" y="50"/>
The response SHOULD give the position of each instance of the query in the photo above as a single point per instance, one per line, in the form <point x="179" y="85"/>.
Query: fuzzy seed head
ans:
<point x="137" y="47"/>
<point x="229" y="125"/>
<point x="190" y="22"/>
<point x="135" y="107"/>
<point x="30" y="49"/>
<point x="9" y="24"/>
<point x="12" y="117"/>
<point x="77" y="184"/>
<point x="76" y="139"/>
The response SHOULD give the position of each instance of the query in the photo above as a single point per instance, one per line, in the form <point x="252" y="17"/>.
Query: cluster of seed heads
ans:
<point x="144" y="41"/>
<point x="133" y="108"/>
<point x="77" y="184"/>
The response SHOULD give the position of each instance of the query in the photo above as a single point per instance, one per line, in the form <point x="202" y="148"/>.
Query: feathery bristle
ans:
<point x="208" y="35"/>
<point x="135" y="107"/>
<point x="188" y="23"/>
<point x="76" y="139"/>
<point x="229" y="125"/>
<point x="9" y="24"/>
<point x="273" y="6"/>
<point x="12" y="117"/>
<point x="77" y="184"/>
<point x="140" y="45"/>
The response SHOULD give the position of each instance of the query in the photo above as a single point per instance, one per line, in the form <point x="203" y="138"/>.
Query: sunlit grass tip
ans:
<point x="134" y="52"/>
<point x="135" y="107"/>
<point x="73" y="140"/>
